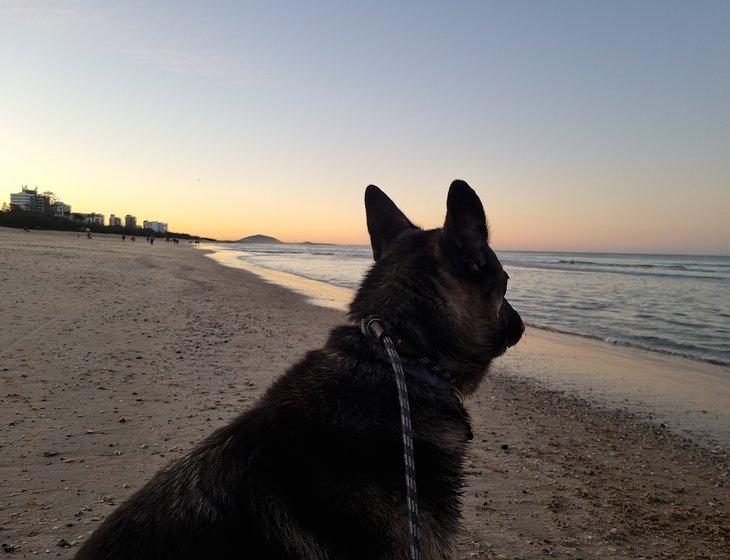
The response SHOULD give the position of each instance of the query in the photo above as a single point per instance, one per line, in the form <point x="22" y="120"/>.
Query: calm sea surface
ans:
<point x="674" y="304"/>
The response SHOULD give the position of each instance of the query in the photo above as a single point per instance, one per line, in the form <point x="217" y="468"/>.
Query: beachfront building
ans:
<point x="61" y="210"/>
<point x="130" y="222"/>
<point x="114" y="220"/>
<point x="157" y="227"/>
<point x="91" y="218"/>
<point x="29" y="200"/>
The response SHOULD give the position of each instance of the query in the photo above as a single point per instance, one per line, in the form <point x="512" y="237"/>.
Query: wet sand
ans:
<point x="116" y="358"/>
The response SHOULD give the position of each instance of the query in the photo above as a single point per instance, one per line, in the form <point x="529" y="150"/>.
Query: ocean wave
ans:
<point x="618" y="341"/>
<point x="690" y="267"/>
<point x="623" y="265"/>
<point x="610" y="270"/>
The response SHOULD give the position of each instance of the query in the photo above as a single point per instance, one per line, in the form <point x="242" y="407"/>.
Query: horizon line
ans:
<point x="545" y="251"/>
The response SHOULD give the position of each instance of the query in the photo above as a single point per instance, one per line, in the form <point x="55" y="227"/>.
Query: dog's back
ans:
<point x="314" y="470"/>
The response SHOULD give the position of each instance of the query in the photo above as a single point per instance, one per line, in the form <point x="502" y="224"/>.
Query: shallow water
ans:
<point x="672" y="304"/>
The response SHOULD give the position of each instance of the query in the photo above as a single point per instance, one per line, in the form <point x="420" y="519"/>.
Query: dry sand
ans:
<point x="116" y="358"/>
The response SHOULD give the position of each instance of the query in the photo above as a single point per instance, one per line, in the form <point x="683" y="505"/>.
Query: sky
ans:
<point x="583" y="126"/>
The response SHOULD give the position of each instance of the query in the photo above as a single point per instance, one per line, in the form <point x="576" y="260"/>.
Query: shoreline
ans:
<point x="709" y="361"/>
<point x="118" y="358"/>
<point x="688" y="394"/>
<point x="337" y="297"/>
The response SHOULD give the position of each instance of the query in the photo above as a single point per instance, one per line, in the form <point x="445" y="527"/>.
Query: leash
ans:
<point x="376" y="327"/>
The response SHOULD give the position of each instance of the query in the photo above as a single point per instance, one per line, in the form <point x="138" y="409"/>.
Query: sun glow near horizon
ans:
<point x="515" y="223"/>
<point x="588" y="136"/>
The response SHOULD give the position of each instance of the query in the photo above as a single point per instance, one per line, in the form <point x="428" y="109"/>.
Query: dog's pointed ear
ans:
<point x="465" y="229"/>
<point x="385" y="221"/>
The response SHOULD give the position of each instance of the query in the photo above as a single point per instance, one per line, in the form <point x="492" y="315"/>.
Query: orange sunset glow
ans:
<point x="225" y="131"/>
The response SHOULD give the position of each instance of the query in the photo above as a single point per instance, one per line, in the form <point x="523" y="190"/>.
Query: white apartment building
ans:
<point x="92" y="218"/>
<point x="157" y="227"/>
<point x="30" y="200"/>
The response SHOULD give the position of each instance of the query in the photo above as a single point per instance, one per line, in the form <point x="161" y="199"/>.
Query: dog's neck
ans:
<point x="413" y="362"/>
<point x="464" y="374"/>
<point x="420" y="369"/>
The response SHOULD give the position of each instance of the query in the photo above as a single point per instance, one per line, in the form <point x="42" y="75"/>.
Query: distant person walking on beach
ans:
<point x="88" y="233"/>
<point x="123" y="238"/>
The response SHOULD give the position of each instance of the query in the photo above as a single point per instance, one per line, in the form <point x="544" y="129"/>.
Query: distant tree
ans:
<point x="15" y="217"/>
<point x="52" y="199"/>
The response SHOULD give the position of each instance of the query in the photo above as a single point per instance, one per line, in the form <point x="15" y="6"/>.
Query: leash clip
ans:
<point x="374" y="326"/>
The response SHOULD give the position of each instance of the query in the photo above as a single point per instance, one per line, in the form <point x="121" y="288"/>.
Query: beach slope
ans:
<point x="116" y="358"/>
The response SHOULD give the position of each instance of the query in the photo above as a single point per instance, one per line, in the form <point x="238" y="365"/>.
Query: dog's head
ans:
<point x="442" y="290"/>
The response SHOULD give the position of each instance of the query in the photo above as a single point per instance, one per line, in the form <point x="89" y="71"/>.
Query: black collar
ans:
<point x="432" y="373"/>
<point x="420" y="367"/>
<point x="425" y="371"/>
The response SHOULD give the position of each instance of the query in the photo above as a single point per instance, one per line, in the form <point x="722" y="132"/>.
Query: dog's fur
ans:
<point x="315" y="469"/>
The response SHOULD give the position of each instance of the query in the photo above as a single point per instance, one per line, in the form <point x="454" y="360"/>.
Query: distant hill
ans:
<point x="258" y="239"/>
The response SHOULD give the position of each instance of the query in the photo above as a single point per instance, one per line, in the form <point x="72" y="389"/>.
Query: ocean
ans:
<point x="665" y="303"/>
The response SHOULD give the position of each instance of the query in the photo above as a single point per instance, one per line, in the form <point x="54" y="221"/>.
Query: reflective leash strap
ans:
<point x="372" y="326"/>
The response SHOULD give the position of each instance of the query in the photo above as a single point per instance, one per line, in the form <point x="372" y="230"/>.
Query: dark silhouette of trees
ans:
<point x="17" y="218"/>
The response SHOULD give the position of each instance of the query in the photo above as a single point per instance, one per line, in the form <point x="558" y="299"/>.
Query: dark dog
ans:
<point x="315" y="469"/>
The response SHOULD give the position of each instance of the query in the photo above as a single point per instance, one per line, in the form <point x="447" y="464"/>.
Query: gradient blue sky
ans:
<point x="583" y="125"/>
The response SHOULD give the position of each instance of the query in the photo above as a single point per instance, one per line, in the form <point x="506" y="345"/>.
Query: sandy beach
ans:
<point x="116" y="358"/>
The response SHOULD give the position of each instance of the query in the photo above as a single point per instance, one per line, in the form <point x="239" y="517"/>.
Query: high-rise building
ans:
<point x="130" y="222"/>
<point x="30" y="200"/>
<point x="114" y="220"/>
